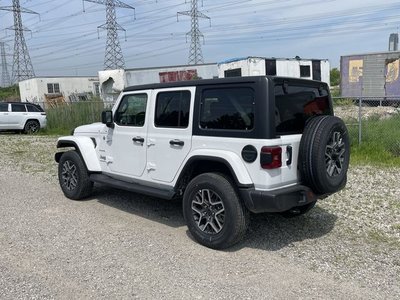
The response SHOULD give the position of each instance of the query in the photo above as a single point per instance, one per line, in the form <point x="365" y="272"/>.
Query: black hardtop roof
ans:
<point x="216" y="81"/>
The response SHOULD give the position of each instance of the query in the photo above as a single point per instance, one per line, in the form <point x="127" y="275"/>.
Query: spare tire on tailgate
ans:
<point x="324" y="154"/>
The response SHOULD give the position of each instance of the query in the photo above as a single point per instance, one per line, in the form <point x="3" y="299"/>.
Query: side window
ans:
<point x="3" y="107"/>
<point x="18" y="107"/>
<point x="132" y="110"/>
<point x="32" y="108"/>
<point x="172" y="109"/>
<point x="231" y="109"/>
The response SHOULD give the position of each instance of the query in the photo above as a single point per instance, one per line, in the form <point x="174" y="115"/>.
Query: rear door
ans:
<point x="17" y="115"/>
<point x="170" y="132"/>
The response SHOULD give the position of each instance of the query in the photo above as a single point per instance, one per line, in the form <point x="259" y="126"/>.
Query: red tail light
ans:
<point x="271" y="157"/>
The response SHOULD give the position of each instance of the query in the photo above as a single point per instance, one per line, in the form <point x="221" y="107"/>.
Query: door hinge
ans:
<point x="151" y="167"/>
<point x="151" y="142"/>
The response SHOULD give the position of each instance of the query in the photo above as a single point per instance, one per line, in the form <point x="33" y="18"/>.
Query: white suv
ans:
<point x="226" y="146"/>
<point x="24" y="116"/>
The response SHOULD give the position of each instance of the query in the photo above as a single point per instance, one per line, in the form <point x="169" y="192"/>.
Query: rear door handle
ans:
<point x="176" y="142"/>
<point x="289" y="150"/>
<point x="138" y="139"/>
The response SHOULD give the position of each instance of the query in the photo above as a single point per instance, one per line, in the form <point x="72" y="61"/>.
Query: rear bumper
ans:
<point x="277" y="200"/>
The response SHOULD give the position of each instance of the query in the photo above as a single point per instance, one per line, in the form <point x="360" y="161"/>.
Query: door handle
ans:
<point x="138" y="139"/>
<point x="176" y="142"/>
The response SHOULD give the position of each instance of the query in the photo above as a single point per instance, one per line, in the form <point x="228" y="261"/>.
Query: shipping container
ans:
<point x="370" y="75"/>
<point x="316" y="69"/>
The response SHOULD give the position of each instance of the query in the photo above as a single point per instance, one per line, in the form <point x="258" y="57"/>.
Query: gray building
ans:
<point x="370" y="74"/>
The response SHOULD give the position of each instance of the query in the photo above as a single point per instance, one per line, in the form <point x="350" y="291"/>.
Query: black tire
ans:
<point x="298" y="210"/>
<point x="324" y="154"/>
<point x="219" y="223"/>
<point x="31" y="127"/>
<point x="73" y="176"/>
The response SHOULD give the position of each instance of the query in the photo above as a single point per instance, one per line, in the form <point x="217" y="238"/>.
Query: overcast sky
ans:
<point x="64" y="40"/>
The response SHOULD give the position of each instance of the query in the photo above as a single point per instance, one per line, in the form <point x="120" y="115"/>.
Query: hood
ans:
<point x="90" y="128"/>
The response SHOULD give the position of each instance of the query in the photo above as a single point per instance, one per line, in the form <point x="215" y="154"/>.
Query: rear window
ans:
<point x="33" y="108"/>
<point x="294" y="105"/>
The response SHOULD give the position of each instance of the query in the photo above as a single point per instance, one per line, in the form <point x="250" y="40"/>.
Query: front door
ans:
<point x="170" y="132"/>
<point x="125" y="144"/>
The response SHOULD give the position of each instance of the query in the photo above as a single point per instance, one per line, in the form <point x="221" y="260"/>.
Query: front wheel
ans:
<point x="73" y="176"/>
<point x="214" y="214"/>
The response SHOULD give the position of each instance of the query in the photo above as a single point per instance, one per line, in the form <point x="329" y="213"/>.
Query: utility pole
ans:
<point x="22" y="65"/>
<point x="113" y="58"/>
<point x="5" y="76"/>
<point x="195" y="52"/>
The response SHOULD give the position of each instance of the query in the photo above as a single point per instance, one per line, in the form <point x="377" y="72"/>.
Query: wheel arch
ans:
<point x="85" y="148"/>
<point x="200" y="164"/>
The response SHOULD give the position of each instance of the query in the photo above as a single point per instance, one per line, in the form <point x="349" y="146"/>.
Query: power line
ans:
<point x="113" y="58"/>
<point x="195" y="52"/>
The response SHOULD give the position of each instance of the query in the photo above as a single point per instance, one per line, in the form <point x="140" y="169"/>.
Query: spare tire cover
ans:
<point x="324" y="154"/>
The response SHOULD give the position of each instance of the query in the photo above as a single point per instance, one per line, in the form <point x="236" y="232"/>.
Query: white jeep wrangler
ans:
<point x="226" y="146"/>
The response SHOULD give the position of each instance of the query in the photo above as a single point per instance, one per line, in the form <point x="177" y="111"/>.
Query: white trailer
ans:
<point x="112" y="82"/>
<point x="36" y="89"/>
<point x="316" y="69"/>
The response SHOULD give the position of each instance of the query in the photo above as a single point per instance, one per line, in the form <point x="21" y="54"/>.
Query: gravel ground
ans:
<point x="122" y="245"/>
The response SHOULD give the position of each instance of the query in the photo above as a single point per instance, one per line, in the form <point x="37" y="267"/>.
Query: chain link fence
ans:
<point x="372" y="122"/>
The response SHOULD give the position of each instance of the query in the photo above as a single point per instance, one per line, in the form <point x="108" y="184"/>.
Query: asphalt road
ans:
<point x="122" y="245"/>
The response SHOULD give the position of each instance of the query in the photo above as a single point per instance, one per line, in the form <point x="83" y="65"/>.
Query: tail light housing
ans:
<point x="271" y="157"/>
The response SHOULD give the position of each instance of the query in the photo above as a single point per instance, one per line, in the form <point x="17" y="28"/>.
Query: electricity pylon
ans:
<point x="113" y="59"/>
<point x="22" y="67"/>
<point x="195" y="52"/>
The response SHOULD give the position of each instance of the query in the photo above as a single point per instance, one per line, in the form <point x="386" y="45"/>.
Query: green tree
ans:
<point x="335" y="77"/>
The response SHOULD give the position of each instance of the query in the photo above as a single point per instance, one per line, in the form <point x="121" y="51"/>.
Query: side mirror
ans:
<point x="107" y="118"/>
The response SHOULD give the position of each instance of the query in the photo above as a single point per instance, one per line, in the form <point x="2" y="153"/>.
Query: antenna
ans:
<point x="195" y="52"/>
<point x="22" y="65"/>
<point x="5" y="76"/>
<point x="113" y="58"/>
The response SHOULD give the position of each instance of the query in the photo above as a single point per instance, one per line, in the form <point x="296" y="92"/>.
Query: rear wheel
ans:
<point x="214" y="214"/>
<point x="324" y="154"/>
<point x="73" y="176"/>
<point x="32" y="127"/>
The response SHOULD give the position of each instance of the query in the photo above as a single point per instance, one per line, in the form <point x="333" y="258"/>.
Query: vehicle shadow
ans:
<point x="269" y="232"/>
<point x="167" y="212"/>
<point x="273" y="232"/>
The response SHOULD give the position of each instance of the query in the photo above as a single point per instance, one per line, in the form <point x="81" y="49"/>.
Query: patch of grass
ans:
<point x="10" y="93"/>
<point x="62" y="119"/>
<point x="338" y="101"/>
<point x="380" y="143"/>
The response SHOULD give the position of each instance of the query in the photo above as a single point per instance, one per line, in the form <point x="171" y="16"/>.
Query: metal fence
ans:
<point x="371" y="121"/>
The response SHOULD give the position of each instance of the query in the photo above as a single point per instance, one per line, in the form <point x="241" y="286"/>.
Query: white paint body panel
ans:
<point x="87" y="149"/>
